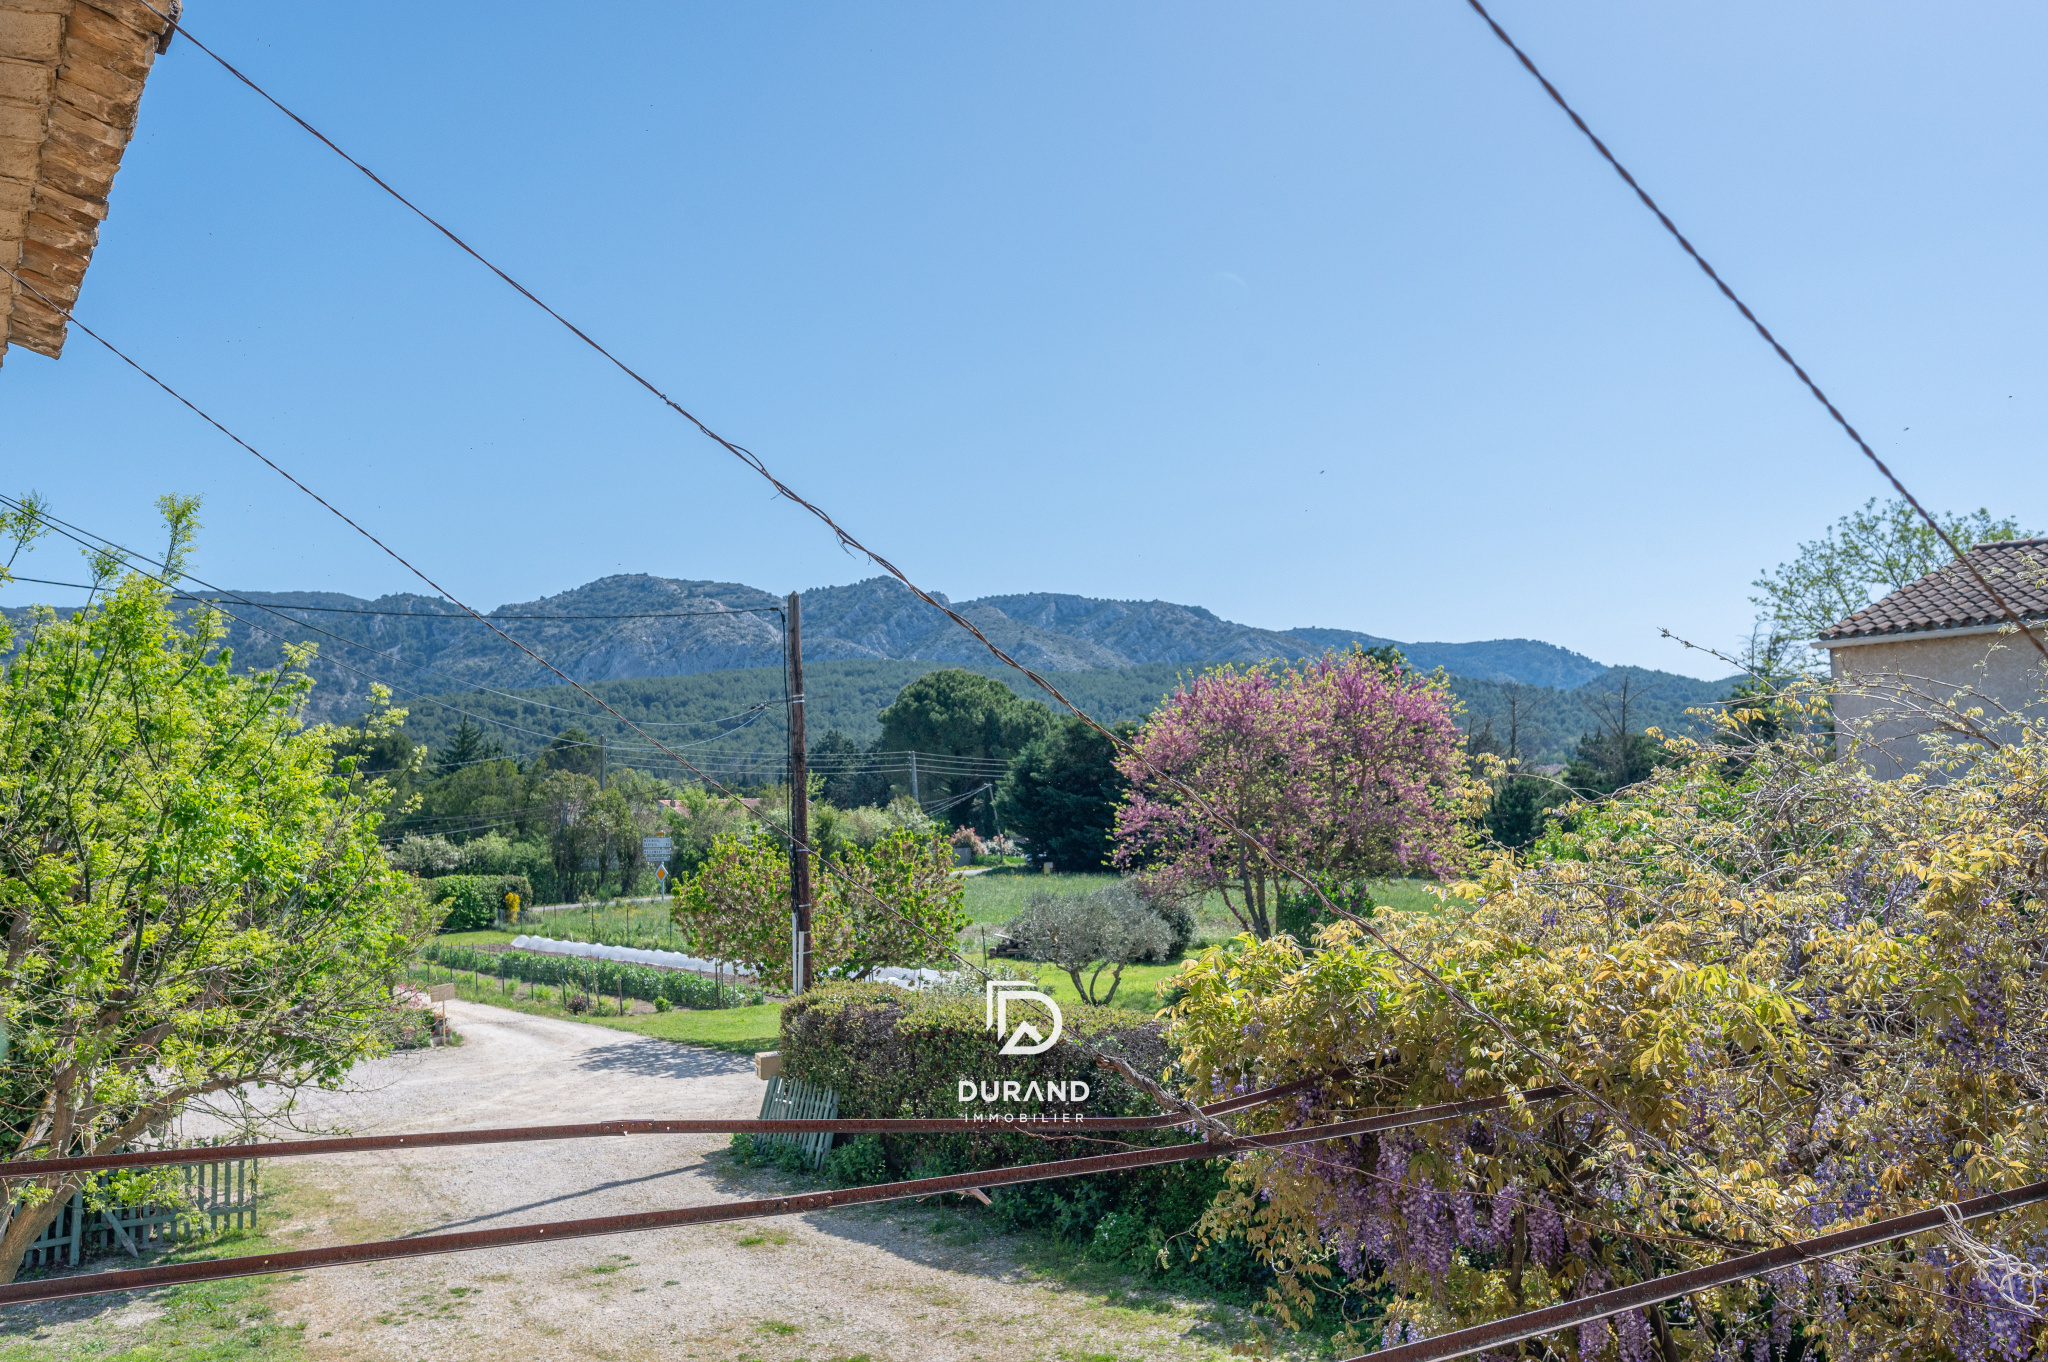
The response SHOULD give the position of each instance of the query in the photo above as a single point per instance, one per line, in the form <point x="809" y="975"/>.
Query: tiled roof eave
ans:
<point x="71" y="77"/>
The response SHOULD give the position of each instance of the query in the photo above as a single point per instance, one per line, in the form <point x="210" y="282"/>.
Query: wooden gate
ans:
<point x="792" y="1099"/>
<point x="218" y="1196"/>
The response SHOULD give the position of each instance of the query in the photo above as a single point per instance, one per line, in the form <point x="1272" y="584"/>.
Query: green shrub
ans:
<point x="859" y="1164"/>
<point x="749" y="1151"/>
<point x="662" y="1004"/>
<point x="891" y="1053"/>
<point x="473" y="900"/>
<point x="1124" y="1237"/>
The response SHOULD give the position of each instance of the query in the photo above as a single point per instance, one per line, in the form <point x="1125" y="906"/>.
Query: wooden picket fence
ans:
<point x="792" y="1099"/>
<point x="217" y="1196"/>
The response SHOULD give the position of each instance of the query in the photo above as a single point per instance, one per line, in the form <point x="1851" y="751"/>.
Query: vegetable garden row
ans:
<point x="609" y="978"/>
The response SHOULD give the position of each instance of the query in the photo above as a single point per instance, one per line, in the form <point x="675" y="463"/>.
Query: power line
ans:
<point x="429" y="615"/>
<point x="80" y="535"/>
<point x="67" y="529"/>
<point x="849" y="542"/>
<point x="1454" y="995"/>
<point x="2011" y="615"/>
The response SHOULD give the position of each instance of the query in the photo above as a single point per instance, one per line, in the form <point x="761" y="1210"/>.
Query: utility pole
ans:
<point x="603" y="752"/>
<point x="799" y="810"/>
<point x="913" y="779"/>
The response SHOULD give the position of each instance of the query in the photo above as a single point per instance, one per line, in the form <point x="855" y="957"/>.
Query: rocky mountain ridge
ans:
<point x="638" y="626"/>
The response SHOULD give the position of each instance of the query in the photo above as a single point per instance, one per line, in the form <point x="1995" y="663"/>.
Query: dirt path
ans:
<point x="861" y="1284"/>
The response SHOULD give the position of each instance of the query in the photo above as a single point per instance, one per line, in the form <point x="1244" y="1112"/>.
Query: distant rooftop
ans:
<point x="1952" y="599"/>
<point x="71" y="74"/>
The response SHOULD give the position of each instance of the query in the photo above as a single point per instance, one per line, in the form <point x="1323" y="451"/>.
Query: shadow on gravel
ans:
<point x="662" y="1059"/>
<point x="554" y="1200"/>
<point x="904" y="1228"/>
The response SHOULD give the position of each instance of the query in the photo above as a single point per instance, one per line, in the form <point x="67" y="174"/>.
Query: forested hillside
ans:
<point x="732" y="722"/>
<point x="633" y="626"/>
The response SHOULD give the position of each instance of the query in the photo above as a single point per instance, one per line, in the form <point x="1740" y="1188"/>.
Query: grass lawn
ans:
<point x="740" y="1029"/>
<point x="230" y="1321"/>
<point x="991" y="900"/>
<point x="1137" y="993"/>
<point x="743" y="1030"/>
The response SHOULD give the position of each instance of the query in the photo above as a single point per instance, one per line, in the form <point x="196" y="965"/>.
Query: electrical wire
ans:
<point x="82" y="536"/>
<point x="426" y="615"/>
<point x="2012" y="616"/>
<point x="1454" y="995"/>
<point x="73" y="533"/>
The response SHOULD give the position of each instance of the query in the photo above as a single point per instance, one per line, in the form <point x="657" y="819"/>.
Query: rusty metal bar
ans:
<point x="356" y="1144"/>
<point x="1535" y="1323"/>
<point x="100" y="1283"/>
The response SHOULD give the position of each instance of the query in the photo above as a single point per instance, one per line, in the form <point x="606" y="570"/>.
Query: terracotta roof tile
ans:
<point x="1951" y="598"/>
<point x="71" y="74"/>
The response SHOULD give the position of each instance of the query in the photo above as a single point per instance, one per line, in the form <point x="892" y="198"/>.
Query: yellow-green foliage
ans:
<point x="1802" y="997"/>
<point x="193" y="894"/>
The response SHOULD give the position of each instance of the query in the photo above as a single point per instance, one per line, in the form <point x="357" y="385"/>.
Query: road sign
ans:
<point x="656" y="848"/>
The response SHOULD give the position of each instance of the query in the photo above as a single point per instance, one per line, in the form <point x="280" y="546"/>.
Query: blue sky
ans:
<point x="1315" y="314"/>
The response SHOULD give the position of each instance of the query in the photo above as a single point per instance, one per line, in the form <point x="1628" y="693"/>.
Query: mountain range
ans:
<point x="623" y="627"/>
<point x="637" y="628"/>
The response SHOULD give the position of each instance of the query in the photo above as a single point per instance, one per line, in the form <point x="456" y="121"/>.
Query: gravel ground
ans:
<point x="875" y="1283"/>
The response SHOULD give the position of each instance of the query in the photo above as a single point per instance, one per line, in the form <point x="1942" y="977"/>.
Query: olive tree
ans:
<point x="1092" y="934"/>
<point x="192" y="893"/>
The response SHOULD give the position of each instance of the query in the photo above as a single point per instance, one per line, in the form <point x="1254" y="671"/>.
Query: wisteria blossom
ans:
<point x="1793" y="999"/>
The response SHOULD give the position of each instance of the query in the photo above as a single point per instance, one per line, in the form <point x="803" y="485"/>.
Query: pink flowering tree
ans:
<point x="1348" y="766"/>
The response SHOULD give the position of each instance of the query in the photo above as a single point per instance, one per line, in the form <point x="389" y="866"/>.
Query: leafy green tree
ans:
<point x="1605" y="762"/>
<point x="379" y="754"/>
<point x="572" y="750"/>
<point x="575" y="838"/>
<point x="473" y="799"/>
<point x="960" y="714"/>
<point x="1062" y="793"/>
<point x="895" y="903"/>
<point x="1864" y="555"/>
<point x="837" y="761"/>
<point x="193" y="894"/>
<point x="695" y="827"/>
<point x="1514" y="816"/>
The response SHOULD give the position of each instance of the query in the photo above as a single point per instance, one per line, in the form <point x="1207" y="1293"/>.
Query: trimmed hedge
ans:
<point x="599" y="978"/>
<point x="474" y="900"/>
<point x="890" y="1053"/>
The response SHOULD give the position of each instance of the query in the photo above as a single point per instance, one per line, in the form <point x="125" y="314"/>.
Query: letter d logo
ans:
<point x="997" y="1016"/>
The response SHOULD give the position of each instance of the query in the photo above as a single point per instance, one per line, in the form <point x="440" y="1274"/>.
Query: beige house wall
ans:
<point x="2000" y="668"/>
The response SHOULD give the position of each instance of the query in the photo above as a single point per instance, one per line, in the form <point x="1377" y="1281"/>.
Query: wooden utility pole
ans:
<point x="799" y="810"/>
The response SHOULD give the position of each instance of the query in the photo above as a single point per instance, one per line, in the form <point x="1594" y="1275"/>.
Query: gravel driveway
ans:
<point x="872" y="1283"/>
